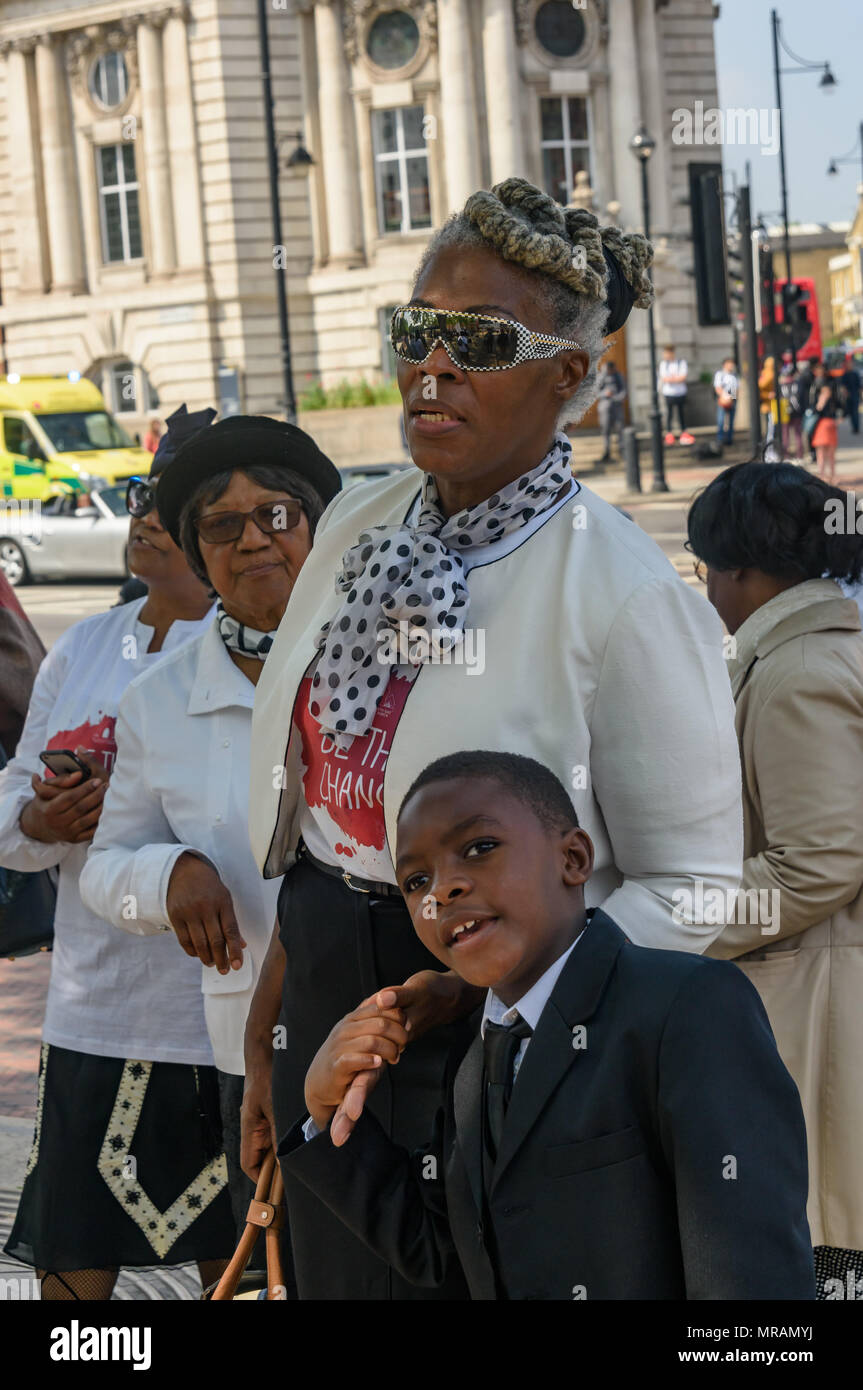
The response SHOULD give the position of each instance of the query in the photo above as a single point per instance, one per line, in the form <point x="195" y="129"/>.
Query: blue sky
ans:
<point x="817" y="127"/>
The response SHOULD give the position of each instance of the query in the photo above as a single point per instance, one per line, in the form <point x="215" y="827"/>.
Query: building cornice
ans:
<point x="21" y="35"/>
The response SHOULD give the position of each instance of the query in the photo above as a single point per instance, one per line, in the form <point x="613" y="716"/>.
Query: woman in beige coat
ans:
<point x="773" y="540"/>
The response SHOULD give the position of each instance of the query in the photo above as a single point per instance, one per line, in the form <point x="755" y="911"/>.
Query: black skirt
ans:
<point x="126" y="1167"/>
<point x="341" y="947"/>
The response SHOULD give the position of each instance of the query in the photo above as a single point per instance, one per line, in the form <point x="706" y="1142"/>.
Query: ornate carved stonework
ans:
<point x="84" y="46"/>
<point x="358" y="16"/>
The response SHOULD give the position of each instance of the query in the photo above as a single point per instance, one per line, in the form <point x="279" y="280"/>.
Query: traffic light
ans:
<point x="708" y="238"/>
<point x="794" y="316"/>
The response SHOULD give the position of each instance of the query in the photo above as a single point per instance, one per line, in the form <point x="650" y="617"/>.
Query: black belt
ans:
<point x="358" y="885"/>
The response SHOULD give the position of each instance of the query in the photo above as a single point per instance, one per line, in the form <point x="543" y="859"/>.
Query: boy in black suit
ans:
<point x="622" y="1126"/>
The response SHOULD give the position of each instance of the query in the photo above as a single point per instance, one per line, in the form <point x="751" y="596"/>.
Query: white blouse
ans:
<point x="109" y="994"/>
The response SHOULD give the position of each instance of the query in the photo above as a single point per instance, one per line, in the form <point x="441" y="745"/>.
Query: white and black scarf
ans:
<point x="413" y="574"/>
<point x="237" y="637"/>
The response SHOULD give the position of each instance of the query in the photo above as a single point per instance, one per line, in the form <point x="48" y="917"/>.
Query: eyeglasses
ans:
<point x="474" y="342"/>
<point x="140" y="496"/>
<point x="220" y="527"/>
<point x="700" y="569"/>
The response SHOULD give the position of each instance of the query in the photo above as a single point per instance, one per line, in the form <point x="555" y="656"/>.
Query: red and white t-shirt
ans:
<point x="342" y="819"/>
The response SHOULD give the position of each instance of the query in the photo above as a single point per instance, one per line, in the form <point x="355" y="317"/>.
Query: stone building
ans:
<point x="135" y="237"/>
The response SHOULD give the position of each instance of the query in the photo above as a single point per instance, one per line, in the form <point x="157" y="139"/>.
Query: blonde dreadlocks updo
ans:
<point x="587" y="276"/>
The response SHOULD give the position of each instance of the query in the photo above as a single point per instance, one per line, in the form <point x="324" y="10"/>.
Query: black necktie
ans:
<point x="500" y="1048"/>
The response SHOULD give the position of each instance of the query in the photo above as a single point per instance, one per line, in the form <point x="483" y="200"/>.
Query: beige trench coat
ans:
<point x="799" y="714"/>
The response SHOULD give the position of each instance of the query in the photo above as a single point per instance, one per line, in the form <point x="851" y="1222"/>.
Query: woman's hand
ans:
<point x="201" y="911"/>
<point x="362" y="1041"/>
<point x="426" y="1000"/>
<point x="257" y="1127"/>
<point x="66" y="809"/>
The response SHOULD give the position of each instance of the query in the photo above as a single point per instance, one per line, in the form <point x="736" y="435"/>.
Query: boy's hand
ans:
<point x="361" y="1042"/>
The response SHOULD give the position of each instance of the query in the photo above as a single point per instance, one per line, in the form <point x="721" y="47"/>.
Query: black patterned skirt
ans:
<point x="126" y="1167"/>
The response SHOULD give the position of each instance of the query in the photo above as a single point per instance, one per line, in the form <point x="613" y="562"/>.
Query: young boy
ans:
<point x="635" y="1136"/>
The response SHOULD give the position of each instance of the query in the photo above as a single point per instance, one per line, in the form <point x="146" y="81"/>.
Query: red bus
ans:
<point x="808" y="300"/>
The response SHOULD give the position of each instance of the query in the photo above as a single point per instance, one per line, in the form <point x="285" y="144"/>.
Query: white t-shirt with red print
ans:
<point x="342" y="820"/>
<point x="110" y="994"/>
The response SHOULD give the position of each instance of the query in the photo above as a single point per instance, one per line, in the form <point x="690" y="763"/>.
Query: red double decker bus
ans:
<point x="809" y="345"/>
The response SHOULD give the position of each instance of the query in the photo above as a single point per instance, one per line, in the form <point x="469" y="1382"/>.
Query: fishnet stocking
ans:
<point x="82" y="1285"/>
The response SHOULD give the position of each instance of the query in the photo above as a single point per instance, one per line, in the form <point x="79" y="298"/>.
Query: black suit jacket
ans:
<point x="654" y="1148"/>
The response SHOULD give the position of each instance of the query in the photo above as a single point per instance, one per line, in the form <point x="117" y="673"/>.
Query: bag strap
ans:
<point x="266" y="1211"/>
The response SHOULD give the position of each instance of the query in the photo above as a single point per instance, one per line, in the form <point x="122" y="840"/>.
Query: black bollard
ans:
<point x="630" y="453"/>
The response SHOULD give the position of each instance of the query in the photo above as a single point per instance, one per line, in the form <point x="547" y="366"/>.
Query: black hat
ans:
<point x="178" y="428"/>
<point x="620" y="294"/>
<point x="233" y="442"/>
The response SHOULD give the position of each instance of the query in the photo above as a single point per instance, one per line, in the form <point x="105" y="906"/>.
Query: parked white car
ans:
<point x="65" y="541"/>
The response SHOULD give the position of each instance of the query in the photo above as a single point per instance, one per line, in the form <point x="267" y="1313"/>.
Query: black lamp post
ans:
<point x="642" y="145"/>
<point x="851" y="157"/>
<point x="827" y="84"/>
<point x="298" y="161"/>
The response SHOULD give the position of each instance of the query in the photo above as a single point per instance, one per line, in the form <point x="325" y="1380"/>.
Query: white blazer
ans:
<point x="181" y="782"/>
<point x="599" y="662"/>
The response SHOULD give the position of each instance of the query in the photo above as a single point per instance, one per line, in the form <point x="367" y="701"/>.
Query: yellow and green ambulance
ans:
<point x="56" y="436"/>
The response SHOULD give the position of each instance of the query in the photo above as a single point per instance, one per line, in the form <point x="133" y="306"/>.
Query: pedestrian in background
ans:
<point x="21" y="652"/>
<point x="850" y="386"/>
<point x="153" y="435"/>
<point x="611" y="388"/>
<point x="726" y="386"/>
<point x="672" y="384"/>
<point x="797" y="679"/>
<point x="790" y="386"/>
<point x="825" y="403"/>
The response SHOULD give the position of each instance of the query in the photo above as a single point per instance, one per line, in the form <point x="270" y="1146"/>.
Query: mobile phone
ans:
<point x="62" y="761"/>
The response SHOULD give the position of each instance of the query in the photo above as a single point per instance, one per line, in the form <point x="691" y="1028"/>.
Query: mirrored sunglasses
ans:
<point x="140" y="496"/>
<point x="474" y="342"/>
<point x="217" y="528"/>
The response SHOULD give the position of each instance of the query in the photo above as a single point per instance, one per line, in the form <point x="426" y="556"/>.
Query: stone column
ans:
<point x="338" y="154"/>
<point x="659" y="169"/>
<point x="156" y="172"/>
<point x="31" y="232"/>
<point x="62" y="209"/>
<point x="458" y="103"/>
<point x="626" y="113"/>
<point x="180" y="114"/>
<point x="502" y="91"/>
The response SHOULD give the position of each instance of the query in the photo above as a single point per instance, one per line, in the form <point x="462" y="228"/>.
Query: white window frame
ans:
<point x="399" y="155"/>
<point x="123" y="188"/>
<point x="122" y="82"/>
<point x="568" y="144"/>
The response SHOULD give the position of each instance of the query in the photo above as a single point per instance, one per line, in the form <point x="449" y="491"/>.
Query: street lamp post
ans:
<point x="851" y="157"/>
<point x="827" y="83"/>
<point x="299" y="161"/>
<point x="642" y="145"/>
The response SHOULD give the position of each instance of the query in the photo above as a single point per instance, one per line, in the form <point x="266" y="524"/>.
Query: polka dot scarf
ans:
<point x="413" y="574"/>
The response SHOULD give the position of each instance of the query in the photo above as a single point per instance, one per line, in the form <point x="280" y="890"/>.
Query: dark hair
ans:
<point x="772" y="517"/>
<point x="271" y="476"/>
<point x="531" y="782"/>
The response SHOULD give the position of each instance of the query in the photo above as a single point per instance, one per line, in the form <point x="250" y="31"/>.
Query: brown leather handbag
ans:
<point x="266" y="1210"/>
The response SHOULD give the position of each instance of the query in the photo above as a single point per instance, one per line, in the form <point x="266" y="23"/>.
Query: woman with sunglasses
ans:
<point x="243" y="499"/>
<point x="778" y="555"/>
<point x="485" y="601"/>
<point x="126" y="1167"/>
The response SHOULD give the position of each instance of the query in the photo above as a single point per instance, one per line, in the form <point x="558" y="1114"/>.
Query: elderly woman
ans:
<point x="487" y="600"/>
<point x="126" y="1167"/>
<point x="777" y="551"/>
<point x="244" y="500"/>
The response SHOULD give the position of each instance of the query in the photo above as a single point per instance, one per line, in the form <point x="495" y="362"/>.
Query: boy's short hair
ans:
<point x="534" y="784"/>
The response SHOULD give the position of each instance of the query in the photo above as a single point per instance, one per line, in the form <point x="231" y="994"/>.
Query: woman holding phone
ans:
<point x="126" y="1166"/>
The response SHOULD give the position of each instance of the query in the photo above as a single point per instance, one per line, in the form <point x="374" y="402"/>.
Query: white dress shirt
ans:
<point x="182" y="783"/>
<point x="529" y="1006"/>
